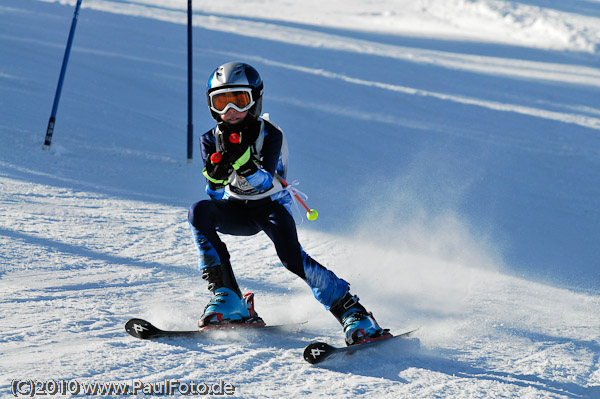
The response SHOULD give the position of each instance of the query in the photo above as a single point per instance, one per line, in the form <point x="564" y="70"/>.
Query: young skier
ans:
<point x="244" y="160"/>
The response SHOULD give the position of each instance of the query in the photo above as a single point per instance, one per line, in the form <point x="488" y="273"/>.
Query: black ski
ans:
<point x="143" y="329"/>
<point x="316" y="352"/>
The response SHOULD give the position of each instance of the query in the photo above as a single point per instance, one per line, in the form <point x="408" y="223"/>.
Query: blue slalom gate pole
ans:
<point x="190" y="126"/>
<point x="50" y="130"/>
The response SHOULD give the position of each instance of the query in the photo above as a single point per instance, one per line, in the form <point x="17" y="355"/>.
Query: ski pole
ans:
<point x="311" y="214"/>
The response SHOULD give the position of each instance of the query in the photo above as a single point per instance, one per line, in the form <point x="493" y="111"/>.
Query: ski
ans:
<point x="143" y="329"/>
<point x="316" y="352"/>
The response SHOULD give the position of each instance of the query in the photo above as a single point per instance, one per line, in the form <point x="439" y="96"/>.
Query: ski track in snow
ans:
<point x="94" y="232"/>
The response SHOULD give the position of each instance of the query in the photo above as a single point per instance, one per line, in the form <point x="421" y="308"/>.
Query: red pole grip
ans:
<point x="216" y="157"/>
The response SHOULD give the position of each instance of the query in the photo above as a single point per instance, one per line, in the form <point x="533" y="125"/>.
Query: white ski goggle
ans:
<point x="238" y="98"/>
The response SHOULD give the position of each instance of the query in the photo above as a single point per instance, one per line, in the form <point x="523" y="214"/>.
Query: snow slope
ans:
<point x="451" y="147"/>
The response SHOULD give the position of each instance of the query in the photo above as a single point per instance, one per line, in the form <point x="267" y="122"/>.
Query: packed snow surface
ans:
<point x="451" y="147"/>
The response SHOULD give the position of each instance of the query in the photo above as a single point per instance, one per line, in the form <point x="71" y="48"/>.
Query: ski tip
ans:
<point x="408" y="334"/>
<point x="140" y="328"/>
<point x="316" y="352"/>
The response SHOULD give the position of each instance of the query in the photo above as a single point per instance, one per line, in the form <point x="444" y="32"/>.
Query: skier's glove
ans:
<point x="217" y="170"/>
<point x="239" y="152"/>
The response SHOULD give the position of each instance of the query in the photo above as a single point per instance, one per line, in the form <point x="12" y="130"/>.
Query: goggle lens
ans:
<point x="242" y="100"/>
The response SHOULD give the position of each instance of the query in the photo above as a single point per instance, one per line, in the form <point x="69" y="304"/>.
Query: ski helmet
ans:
<point x="225" y="80"/>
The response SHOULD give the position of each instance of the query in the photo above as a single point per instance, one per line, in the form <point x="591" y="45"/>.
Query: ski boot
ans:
<point x="227" y="305"/>
<point x="359" y="325"/>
